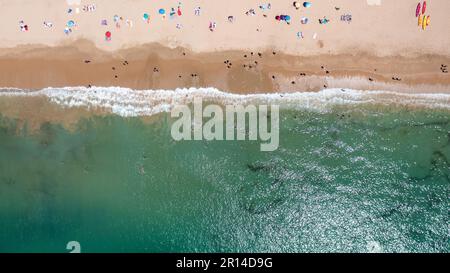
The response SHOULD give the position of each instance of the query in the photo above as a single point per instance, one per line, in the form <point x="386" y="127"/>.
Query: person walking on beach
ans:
<point x="197" y="11"/>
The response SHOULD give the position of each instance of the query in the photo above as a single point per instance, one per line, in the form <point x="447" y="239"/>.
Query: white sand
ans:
<point x="389" y="28"/>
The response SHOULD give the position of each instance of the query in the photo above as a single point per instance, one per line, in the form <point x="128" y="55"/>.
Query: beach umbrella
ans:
<point x="162" y="11"/>
<point x="108" y="34"/>
<point x="71" y="23"/>
<point x="307" y="4"/>
<point x="146" y="17"/>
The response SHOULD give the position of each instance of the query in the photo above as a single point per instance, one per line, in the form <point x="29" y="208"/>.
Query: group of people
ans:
<point x="177" y="12"/>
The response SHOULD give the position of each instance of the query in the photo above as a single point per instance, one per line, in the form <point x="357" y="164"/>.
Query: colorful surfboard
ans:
<point x="419" y="21"/>
<point x="419" y="6"/>
<point x="428" y="20"/>
<point x="424" y="22"/>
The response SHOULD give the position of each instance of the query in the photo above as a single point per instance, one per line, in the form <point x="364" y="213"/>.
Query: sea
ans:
<point x="355" y="171"/>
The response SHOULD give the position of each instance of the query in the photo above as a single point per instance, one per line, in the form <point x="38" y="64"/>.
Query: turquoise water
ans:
<point x="351" y="180"/>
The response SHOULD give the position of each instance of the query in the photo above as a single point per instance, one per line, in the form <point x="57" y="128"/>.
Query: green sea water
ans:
<point x="350" y="180"/>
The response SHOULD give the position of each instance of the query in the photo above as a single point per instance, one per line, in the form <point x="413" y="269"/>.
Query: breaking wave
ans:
<point x="129" y="103"/>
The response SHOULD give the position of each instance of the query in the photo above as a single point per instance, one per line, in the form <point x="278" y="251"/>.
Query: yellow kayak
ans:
<point x="424" y="22"/>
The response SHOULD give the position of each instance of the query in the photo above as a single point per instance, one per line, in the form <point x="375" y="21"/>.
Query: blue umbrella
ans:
<point x="146" y="16"/>
<point x="71" y="23"/>
<point x="162" y="11"/>
<point x="306" y="4"/>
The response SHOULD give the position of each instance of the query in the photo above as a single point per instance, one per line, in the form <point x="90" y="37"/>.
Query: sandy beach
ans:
<point x="236" y="46"/>
<point x="135" y="126"/>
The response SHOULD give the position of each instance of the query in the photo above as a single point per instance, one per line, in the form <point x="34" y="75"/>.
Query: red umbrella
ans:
<point x="108" y="34"/>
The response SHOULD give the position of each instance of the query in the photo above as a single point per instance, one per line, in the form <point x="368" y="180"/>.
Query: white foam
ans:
<point x="127" y="102"/>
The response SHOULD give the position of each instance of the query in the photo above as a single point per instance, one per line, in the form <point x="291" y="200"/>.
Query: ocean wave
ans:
<point x="128" y="102"/>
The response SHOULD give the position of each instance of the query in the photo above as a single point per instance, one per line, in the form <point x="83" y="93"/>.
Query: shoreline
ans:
<point x="67" y="106"/>
<point x="154" y="66"/>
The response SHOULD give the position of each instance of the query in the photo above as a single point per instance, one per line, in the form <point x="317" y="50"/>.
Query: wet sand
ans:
<point x="153" y="66"/>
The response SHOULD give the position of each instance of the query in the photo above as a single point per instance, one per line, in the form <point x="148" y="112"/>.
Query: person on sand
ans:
<point x="23" y="26"/>
<point x="197" y="11"/>
<point x="324" y="21"/>
<point x="89" y="8"/>
<point x="250" y="12"/>
<point x="346" y="18"/>
<point x="172" y="13"/>
<point x="265" y="6"/>
<point x="130" y="23"/>
<point x="212" y="26"/>
<point x="48" y="24"/>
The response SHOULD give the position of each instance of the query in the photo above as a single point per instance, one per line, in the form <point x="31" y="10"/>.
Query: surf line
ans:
<point x="190" y="126"/>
